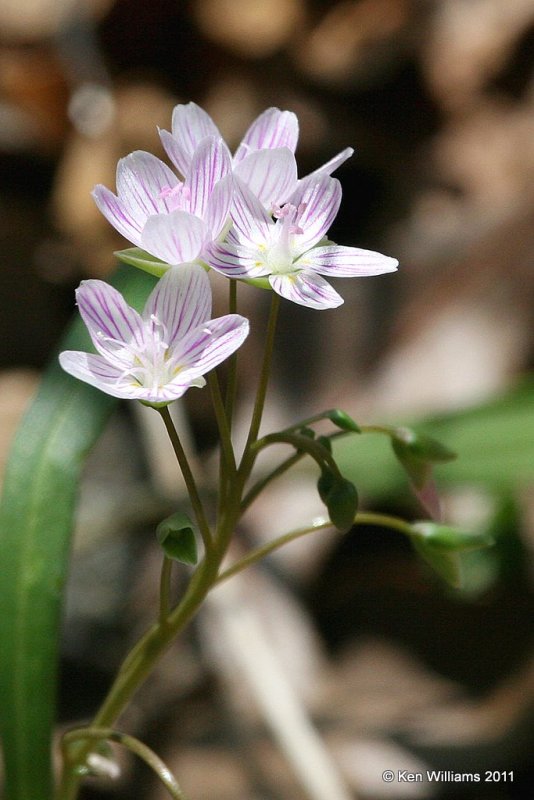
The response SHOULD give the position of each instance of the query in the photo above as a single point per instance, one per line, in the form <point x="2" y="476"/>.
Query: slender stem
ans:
<point x="222" y="422"/>
<point x="256" y="555"/>
<point x="188" y="478"/>
<point x="249" y="455"/>
<point x="363" y="518"/>
<point x="231" y="385"/>
<point x="165" y="590"/>
<point x="258" y="487"/>
<point x="301" y="443"/>
<point x="139" y="663"/>
<point x="135" y="746"/>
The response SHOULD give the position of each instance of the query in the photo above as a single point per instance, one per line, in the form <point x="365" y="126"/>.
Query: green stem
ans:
<point x="258" y="487"/>
<point x="134" y="745"/>
<point x="302" y="444"/>
<point x="222" y="423"/>
<point x="363" y="518"/>
<point x="231" y="384"/>
<point x="139" y="663"/>
<point x="165" y="590"/>
<point x="249" y="453"/>
<point x="188" y="478"/>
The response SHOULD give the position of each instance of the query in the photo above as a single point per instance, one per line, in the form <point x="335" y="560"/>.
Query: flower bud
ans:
<point x="177" y="538"/>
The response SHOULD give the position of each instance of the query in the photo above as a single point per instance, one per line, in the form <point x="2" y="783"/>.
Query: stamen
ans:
<point x="178" y="197"/>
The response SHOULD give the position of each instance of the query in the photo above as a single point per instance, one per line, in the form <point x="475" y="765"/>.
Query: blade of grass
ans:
<point x="36" y="520"/>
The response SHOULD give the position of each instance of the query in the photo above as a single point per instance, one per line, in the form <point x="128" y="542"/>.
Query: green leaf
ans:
<point x="36" y="519"/>
<point x="177" y="537"/>
<point x="136" y="257"/>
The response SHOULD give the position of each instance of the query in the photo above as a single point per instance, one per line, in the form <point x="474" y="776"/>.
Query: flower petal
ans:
<point x="306" y="289"/>
<point x="211" y="161"/>
<point x="190" y="125"/>
<point x="235" y="261"/>
<point x="98" y="372"/>
<point x="273" y="128"/>
<point x="141" y="177"/>
<point x="321" y="198"/>
<point x="346" y="262"/>
<point x="252" y="223"/>
<point x="176" y="238"/>
<point x="181" y="300"/>
<point x="109" y="320"/>
<point x="270" y="174"/>
<point x="217" y="215"/>
<point x="116" y="214"/>
<point x="208" y="345"/>
<point x="333" y="164"/>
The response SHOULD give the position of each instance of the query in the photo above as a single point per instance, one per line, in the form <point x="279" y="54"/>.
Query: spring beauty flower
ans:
<point x="264" y="160"/>
<point x="173" y="220"/>
<point x="288" y="249"/>
<point x="159" y="354"/>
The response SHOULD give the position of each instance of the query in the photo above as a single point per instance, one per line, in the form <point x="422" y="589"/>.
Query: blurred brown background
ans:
<point x="437" y="97"/>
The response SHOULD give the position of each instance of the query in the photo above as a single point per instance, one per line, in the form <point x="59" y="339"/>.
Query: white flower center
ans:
<point x="281" y="254"/>
<point x="149" y="365"/>
<point x="178" y="197"/>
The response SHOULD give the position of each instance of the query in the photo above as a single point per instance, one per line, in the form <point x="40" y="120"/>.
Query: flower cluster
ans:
<point x="246" y="216"/>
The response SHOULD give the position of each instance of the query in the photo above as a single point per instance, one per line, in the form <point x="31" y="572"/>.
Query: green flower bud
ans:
<point x="445" y="537"/>
<point x="417" y="452"/>
<point x="176" y="536"/>
<point x="342" y="420"/>
<point x="340" y="497"/>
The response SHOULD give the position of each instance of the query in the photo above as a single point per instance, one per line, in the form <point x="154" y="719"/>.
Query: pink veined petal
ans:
<point x="208" y="345"/>
<point x="321" y="198"/>
<point x="190" y="125"/>
<point x="116" y="214"/>
<point x="333" y="164"/>
<point x="175" y="152"/>
<point x="176" y="238"/>
<point x="141" y="177"/>
<point x="270" y="174"/>
<point x="306" y="289"/>
<point x="273" y="128"/>
<point x="211" y="161"/>
<point x="98" y="372"/>
<point x="252" y="223"/>
<point x="109" y="320"/>
<point x="217" y="215"/>
<point x="235" y="261"/>
<point x="181" y="300"/>
<point x="346" y="262"/>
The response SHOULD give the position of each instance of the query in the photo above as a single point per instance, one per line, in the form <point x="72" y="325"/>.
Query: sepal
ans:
<point x="136" y="257"/>
<point x="176" y="536"/>
<point x="417" y="453"/>
<point x="440" y="546"/>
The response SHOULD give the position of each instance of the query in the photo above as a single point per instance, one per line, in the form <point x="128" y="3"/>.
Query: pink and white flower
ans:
<point x="173" y="220"/>
<point x="288" y="249"/>
<point x="264" y="160"/>
<point x="155" y="356"/>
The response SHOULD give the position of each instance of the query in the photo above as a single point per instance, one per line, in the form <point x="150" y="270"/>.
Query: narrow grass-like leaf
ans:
<point x="36" y="516"/>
